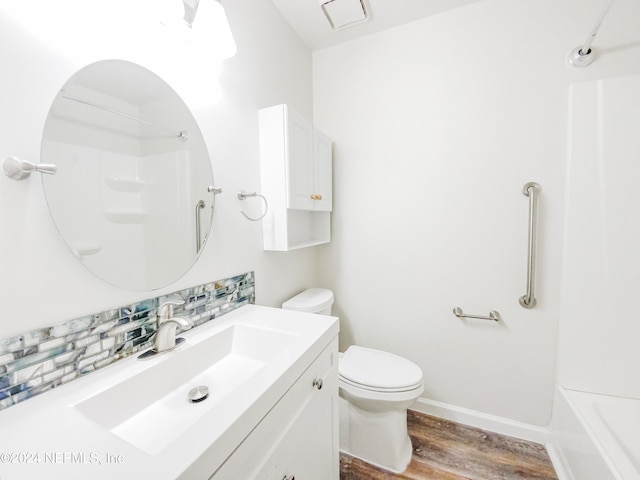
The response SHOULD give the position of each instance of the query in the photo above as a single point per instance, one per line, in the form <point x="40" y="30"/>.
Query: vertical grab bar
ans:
<point x="531" y="190"/>
<point x="199" y="207"/>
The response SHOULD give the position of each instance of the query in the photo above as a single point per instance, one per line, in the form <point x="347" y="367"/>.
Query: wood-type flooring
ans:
<point x="444" y="450"/>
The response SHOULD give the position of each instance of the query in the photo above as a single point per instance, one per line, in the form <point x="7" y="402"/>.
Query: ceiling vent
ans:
<point x="344" y="13"/>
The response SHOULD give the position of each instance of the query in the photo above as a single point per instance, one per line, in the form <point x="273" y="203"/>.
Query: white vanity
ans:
<point x="271" y="412"/>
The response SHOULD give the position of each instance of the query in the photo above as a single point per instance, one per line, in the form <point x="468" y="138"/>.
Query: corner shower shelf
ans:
<point x="125" y="185"/>
<point x="82" y="249"/>
<point x="125" y="216"/>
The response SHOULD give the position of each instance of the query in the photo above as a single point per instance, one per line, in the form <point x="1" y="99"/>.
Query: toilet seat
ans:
<point x="345" y="381"/>
<point x="357" y="394"/>
<point x="378" y="371"/>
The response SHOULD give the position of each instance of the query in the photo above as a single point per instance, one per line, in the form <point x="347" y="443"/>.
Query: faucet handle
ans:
<point x="165" y="311"/>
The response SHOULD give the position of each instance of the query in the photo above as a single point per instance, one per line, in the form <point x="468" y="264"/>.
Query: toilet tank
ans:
<point x="312" y="300"/>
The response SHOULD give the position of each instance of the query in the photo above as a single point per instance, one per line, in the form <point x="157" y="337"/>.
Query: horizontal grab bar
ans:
<point x="493" y="315"/>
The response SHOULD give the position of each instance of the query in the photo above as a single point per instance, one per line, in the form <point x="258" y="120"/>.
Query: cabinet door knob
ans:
<point x="318" y="383"/>
<point x="316" y="197"/>
<point x="289" y="477"/>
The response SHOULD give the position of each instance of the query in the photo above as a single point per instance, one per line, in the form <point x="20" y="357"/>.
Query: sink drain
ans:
<point x="198" y="394"/>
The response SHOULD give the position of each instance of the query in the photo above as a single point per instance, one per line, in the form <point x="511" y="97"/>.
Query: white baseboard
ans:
<point x="503" y="426"/>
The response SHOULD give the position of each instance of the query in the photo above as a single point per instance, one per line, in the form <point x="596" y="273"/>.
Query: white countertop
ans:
<point x="45" y="437"/>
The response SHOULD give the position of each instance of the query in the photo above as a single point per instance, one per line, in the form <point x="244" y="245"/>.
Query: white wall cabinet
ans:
<point x="299" y="436"/>
<point x="296" y="172"/>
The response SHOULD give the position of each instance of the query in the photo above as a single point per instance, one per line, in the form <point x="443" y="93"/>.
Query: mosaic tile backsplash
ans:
<point x="42" y="359"/>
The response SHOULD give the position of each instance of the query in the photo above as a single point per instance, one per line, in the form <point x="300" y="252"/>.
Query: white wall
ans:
<point x="437" y="125"/>
<point x="40" y="281"/>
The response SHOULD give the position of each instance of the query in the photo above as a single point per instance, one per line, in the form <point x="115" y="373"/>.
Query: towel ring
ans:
<point x="242" y="195"/>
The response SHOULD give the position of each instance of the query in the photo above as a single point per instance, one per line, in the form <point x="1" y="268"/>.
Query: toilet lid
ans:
<point x="378" y="369"/>
<point x="311" y="300"/>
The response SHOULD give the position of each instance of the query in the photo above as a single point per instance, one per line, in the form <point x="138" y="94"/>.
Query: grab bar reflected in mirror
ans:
<point x="199" y="206"/>
<point x="531" y="190"/>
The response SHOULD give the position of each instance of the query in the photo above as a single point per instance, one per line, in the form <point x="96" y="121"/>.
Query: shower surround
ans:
<point x="599" y="393"/>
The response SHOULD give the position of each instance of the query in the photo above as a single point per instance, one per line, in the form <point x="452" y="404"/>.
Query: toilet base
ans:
<point x="377" y="437"/>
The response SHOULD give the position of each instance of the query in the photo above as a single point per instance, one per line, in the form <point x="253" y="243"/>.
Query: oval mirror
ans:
<point x="132" y="196"/>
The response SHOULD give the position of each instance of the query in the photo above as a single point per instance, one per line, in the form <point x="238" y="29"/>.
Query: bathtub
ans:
<point x="596" y="437"/>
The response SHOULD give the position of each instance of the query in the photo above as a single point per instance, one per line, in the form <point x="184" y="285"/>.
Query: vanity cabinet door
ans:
<point x="309" y="449"/>
<point x="299" y="436"/>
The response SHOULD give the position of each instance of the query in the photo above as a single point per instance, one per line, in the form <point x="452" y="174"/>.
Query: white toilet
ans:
<point x="376" y="388"/>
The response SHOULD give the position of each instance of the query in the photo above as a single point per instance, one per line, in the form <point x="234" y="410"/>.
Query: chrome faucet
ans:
<point x="165" y="339"/>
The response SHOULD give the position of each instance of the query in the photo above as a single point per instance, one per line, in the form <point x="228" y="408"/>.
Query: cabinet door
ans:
<point x="322" y="172"/>
<point x="299" y="436"/>
<point x="309" y="450"/>
<point x="299" y="162"/>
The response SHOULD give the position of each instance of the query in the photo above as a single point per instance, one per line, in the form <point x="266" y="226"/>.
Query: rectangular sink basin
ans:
<point x="151" y="409"/>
